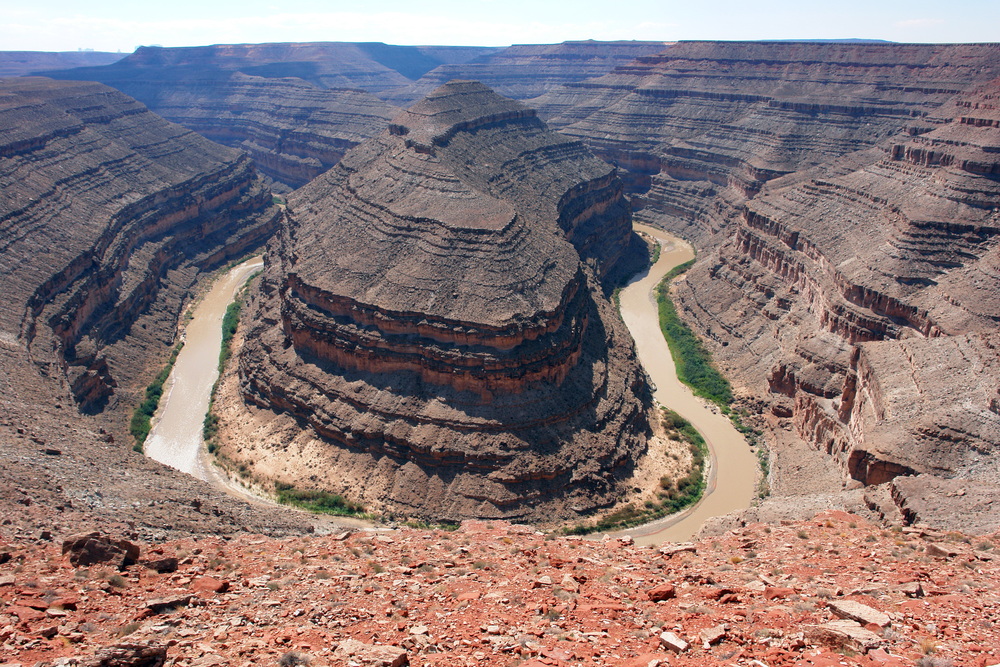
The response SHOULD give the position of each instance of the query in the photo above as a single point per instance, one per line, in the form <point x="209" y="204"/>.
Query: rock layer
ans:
<point x="108" y="217"/>
<point x="866" y="303"/>
<point x="701" y="126"/>
<point x="433" y="311"/>
<point x="525" y="71"/>
<point x="846" y="195"/>
<point x="114" y="208"/>
<point x="293" y="130"/>
<point x="296" y="108"/>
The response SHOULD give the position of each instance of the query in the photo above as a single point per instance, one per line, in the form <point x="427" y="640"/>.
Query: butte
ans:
<point x="432" y="337"/>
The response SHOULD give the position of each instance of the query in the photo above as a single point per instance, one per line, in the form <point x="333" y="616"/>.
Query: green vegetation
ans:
<point x="655" y="257"/>
<point x="672" y="496"/>
<point x="142" y="416"/>
<point x="693" y="361"/>
<point x="316" y="501"/>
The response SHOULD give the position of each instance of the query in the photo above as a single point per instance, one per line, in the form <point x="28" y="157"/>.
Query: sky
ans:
<point x="122" y="25"/>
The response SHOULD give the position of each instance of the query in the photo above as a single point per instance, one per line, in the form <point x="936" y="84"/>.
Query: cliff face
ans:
<point x="701" y="126"/>
<point x="293" y="130"/>
<point x="433" y="311"/>
<point x="108" y="215"/>
<point x="863" y="303"/>
<point x="295" y="108"/>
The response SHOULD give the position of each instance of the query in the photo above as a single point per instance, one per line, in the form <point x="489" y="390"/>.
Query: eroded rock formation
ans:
<point x="846" y="195"/>
<point x="108" y="216"/>
<point x="295" y="108"/>
<point x="868" y="301"/>
<point x="115" y="210"/>
<point x="525" y="71"/>
<point x="433" y="312"/>
<point x="293" y="130"/>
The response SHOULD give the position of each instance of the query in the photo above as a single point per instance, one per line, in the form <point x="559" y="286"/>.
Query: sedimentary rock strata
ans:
<point x="369" y="66"/>
<point x="847" y="194"/>
<point x="701" y="126"/>
<point x="295" y="108"/>
<point x="525" y="71"/>
<point x="433" y="311"/>
<point x="108" y="216"/>
<point x="864" y="303"/>
<point x="112" y="208"/>
<point x="293" y="130"/>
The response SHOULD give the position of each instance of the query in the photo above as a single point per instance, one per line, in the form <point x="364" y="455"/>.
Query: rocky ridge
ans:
<point x="831" y="591"/>
<point x="700" y="127"/>
<point x="293" y="130"/>
<point x="525" y="71"/>
<point x="435" y="316"/>
<point x="295" y="108"/>
<point x="22" y="63"/>
<point x="867" y="301"/>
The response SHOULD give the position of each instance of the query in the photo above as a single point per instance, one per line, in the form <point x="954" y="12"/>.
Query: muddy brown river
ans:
<point x="732" y="465"/>
<point x="176" y="436"/>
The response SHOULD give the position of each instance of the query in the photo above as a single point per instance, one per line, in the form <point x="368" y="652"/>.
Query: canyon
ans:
<point x="842" y="198"/>
<point x="433" y="336"/>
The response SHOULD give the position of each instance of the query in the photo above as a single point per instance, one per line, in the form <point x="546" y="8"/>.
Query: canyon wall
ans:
<point x="845" y="199"/>
<point x="524" y="71"/>
<point x="433" y="312"/>
<point x="296" y="108"/>
<point x="108" y="216"/>
<point x="112" y="207"/>
<point x="22" y="63"/>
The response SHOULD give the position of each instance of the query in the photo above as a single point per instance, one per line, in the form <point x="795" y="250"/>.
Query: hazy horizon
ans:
<point x="59" y="25"/>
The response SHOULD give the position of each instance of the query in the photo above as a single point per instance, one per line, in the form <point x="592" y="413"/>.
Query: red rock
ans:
<point x="93" y="548"/>
<point x="25" y="613"/>
<point x="210" y="585"/>
<point x="371" y="655"/>
<point x="664" y="591"/>
<point x="776" y="592"/>
<point x="648" y="660"/>
<point x="128" y="655"/>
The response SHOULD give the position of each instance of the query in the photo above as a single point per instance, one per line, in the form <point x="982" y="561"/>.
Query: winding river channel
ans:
<point x="732" y="465"/>
<point x="176" y="438"/>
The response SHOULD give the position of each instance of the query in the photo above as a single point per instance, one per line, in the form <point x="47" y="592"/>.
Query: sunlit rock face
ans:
<point x="433" y="311"/>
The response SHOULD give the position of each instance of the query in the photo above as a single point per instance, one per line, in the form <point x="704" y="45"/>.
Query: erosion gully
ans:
<point x="176" y="438"/>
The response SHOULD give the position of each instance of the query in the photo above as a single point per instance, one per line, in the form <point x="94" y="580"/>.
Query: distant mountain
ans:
<point x="19" y="63"/>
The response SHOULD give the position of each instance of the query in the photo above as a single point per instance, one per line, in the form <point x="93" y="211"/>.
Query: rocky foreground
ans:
<point x="831" y="591"/>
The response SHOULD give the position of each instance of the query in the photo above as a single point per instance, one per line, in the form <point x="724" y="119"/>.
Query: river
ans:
<point x="733" y="467"/>
<point x="176" y="436"/>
